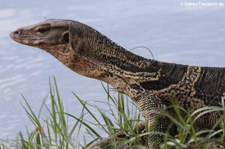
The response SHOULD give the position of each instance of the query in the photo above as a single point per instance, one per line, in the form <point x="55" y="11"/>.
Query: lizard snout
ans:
<point x="15" y="33"/>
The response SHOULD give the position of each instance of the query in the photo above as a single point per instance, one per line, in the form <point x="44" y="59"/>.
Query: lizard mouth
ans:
<point x="24" y="39"/>
<point x="17" y="37"/>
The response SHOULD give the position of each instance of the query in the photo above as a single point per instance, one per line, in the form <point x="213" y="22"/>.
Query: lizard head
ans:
<point x="71" y="42"/>
<point x="45" y="35"/>
<point x="82" y="49"/>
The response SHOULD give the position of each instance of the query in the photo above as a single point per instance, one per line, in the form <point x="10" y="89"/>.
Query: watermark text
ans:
<point x="202" y="4"/>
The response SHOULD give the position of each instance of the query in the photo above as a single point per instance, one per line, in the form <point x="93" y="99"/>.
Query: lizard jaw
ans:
<point x="23" y="39"/>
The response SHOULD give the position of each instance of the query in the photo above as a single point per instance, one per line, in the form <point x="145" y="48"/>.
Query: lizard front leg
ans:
<point x="151" y="106"/>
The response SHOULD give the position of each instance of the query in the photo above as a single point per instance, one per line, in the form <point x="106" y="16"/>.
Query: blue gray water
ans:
<point x="173" y="30"/>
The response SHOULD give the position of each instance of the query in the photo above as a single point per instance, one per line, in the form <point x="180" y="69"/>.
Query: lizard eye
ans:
<point x="43" y="30"/>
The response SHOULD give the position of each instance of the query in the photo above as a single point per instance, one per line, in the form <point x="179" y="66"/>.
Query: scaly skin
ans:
<point x="153" y="85"/>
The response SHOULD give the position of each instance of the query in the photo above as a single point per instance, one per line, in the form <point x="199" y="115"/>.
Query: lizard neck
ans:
<point x="133" y="74"/>
<point x="124" y="70"/>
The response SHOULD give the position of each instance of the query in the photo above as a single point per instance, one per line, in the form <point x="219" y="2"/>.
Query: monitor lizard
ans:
<point x="151" y="84"/>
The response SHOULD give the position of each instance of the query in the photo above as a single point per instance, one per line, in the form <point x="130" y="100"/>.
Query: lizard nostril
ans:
<point x="17" y="32"/>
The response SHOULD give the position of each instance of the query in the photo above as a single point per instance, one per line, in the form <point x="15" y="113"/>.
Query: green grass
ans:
<point x="54" y="127"/>
<point x="62" y="130"/>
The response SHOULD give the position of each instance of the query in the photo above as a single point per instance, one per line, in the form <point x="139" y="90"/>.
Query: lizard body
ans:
<point x="153" y="85"/>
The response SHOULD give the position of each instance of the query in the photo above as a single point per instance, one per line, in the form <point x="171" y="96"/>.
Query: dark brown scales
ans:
<point x="151" y="84"/>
